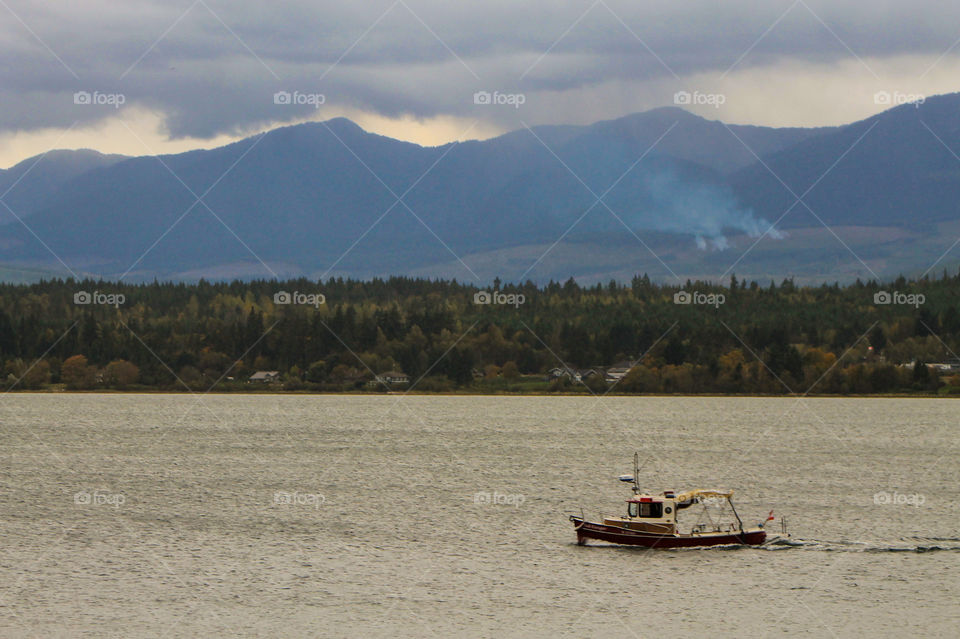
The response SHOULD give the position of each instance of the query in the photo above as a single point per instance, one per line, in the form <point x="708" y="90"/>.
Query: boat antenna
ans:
<point x="739" y="521"/>
<point x="636" y="472"/>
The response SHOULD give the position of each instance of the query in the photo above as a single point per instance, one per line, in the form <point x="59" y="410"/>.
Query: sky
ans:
<point x="140" y="77"/>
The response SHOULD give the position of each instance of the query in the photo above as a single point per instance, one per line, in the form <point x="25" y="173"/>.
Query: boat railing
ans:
<point x="708" y="528"/>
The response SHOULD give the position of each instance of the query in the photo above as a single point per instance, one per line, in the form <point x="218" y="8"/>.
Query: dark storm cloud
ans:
<point x="217" y="65"/>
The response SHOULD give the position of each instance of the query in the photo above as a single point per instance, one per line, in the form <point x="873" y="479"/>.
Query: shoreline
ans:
<point x="141" y="391"/>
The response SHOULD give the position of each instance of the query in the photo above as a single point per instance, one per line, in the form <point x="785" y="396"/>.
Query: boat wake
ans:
<point x="907" y="544"/>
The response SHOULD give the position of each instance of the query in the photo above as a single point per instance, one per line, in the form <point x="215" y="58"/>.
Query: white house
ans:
<point x="393" y="377"/>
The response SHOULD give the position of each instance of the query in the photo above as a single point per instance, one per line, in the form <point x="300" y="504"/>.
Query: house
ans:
<point x="613" y="374"/>
<point x="596" y="371"/>
<point x="950" y="366"/>
<point x="265" y="377"/>
<point x="393" y="377"/>
<point x="619" y="370"/>
<point x="563" y="371"/>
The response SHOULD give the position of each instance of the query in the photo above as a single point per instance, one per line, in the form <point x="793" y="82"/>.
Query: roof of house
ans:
<point x="265" y="374"/>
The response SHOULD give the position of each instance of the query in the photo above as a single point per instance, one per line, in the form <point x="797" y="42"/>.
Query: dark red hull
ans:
<point x="617" y="535"/>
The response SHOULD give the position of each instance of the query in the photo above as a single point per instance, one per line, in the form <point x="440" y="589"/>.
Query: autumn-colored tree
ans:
<point x="120" y="373"/>
<point x="77" y="374"/>
<point x="640" y="379"/>
<point x="760" y="340"/>
<point x="24" y="375"/>
<point x="36" y="375"/>
<point x="679" y="379"/>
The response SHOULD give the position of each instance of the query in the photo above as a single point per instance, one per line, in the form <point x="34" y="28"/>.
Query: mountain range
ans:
<point x="663" y="192"/>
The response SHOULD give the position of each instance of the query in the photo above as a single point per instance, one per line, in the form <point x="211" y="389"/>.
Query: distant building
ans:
<point x="587" y="373"/>
<point x="563" y="371"/>
<point x="951" y="366"/>
<point x="619" y="370"/>
<point x="393" y="377"/>
<point x="265" y="377"/>
<point x="613" y="374"/>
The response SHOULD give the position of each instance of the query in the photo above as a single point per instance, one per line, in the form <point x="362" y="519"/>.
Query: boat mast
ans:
<point x="739" y="521"/>
<point x="636" y="473"/>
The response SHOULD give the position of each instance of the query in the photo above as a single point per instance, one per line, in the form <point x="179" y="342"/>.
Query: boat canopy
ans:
<point x="691" y="495"/>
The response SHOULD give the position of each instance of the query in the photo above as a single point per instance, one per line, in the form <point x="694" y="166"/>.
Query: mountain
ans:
<point x="898" y="168"/>
<point x="26" y="187"/>
<point x="663" y="192"/>
<point x="706" y="142"/>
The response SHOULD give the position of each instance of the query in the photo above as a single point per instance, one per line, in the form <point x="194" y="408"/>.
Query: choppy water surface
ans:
<point x="167" y="515"/>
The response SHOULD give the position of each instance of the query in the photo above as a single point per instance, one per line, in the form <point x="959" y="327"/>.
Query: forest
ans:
<point x="420" y="335"/>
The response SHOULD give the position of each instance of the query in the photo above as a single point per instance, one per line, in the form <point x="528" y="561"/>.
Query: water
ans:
<point x="179" y="515"/>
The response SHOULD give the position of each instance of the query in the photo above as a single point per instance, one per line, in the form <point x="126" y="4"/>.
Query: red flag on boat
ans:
<point x="770" y="517"/>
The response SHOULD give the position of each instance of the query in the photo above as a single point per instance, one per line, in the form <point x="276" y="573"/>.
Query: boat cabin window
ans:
<point x="651" y="510"/>
<point x="654" y="510"/>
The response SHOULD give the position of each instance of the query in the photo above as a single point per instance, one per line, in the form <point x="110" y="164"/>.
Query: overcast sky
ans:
<point x="179" y="74"/>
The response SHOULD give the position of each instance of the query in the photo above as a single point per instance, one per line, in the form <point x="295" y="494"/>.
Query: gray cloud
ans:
<point x="205" y="80"/>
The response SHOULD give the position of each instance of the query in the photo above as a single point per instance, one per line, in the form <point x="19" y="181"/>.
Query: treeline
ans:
<point x="339" y="335"/>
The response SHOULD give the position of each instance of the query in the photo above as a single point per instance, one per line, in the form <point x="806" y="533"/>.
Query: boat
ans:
<point x="651" y="520"/>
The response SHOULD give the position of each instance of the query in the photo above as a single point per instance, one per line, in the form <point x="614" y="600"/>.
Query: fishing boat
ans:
<point x="651" y="520"/>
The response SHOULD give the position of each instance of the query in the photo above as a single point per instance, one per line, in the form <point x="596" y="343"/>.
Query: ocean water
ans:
<point x="362" y="516"/>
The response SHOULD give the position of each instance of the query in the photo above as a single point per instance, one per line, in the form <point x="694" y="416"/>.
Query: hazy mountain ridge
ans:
<point x="302" y="195"/>
<point x="895" y="171"/>
<point x="28" y="185"/>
